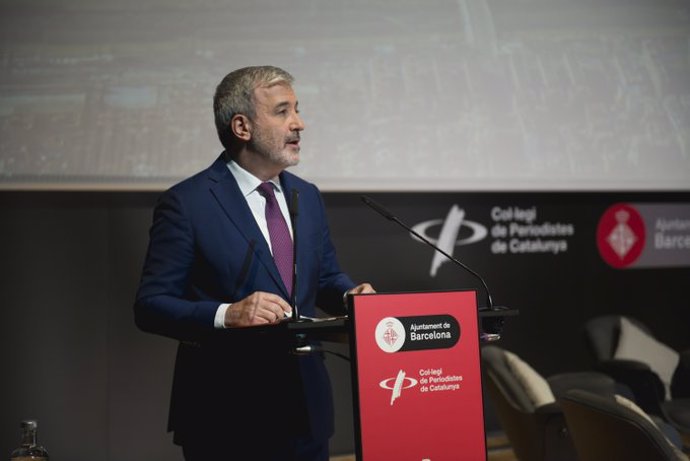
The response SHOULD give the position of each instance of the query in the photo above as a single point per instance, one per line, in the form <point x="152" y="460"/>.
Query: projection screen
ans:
<point x="396" y="94"/>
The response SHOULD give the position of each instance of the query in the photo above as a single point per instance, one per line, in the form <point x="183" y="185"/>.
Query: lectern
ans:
<point x="416" y="377"/>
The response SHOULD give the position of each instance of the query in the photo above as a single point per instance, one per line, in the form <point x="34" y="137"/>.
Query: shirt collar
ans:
<point x="247" y="181"/>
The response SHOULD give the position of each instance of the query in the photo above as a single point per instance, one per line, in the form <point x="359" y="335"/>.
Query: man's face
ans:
<point x="276" y="126"/>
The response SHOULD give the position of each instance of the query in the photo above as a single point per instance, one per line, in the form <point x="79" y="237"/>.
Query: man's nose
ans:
<point x="297" y="123"/>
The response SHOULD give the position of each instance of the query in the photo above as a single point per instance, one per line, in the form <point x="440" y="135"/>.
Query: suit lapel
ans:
<point x="227" y="193"/>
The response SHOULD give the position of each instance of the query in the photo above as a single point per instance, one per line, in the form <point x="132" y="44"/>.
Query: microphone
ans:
<point x="246" y="265"/>
<point x="294" y="212"/>
<point x="391" y="217"/>
<point x="492" y="326"/>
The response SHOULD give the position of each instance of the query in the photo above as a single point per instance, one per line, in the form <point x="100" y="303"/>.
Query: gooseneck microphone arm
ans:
<point x="294" y="212"/>
<point x="391" y="217"/>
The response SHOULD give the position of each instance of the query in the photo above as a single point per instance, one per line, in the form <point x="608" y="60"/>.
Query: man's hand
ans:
<point x="259" y="308"/>
<point x="362" y="288"/>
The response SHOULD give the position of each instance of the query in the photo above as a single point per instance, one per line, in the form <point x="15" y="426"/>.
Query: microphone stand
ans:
<point x="496" y="322"/>
<point x="294" y="213"/>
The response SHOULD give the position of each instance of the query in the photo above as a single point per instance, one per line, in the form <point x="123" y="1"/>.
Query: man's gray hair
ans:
<point x="235" y="95"/>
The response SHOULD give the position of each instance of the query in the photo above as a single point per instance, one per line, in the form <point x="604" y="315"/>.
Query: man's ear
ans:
<point x="241" y="127"/>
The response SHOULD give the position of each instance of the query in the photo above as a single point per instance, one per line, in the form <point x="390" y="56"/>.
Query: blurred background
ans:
<point x="521" y="127"/>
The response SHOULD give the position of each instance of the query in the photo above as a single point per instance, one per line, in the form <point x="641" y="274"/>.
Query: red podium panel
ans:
<point x="416" y="377"/>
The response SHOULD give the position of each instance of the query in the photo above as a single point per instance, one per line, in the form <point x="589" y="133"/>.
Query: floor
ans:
<point x="498" y="449"/>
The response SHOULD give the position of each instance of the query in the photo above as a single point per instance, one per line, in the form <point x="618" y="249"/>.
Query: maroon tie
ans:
<point x="278" y="231"/>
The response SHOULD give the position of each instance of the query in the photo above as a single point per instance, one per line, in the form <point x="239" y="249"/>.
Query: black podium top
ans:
<point x="336" y="329"/>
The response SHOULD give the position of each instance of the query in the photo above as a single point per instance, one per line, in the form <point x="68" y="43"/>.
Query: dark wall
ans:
<point x="71" y="354"/>
<point x="73" y="359"/>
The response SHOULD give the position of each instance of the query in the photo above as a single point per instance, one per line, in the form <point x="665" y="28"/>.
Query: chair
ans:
<point x="614" y="429"/>
<point x="526" y="405"/>
<point x="659" y="377"/>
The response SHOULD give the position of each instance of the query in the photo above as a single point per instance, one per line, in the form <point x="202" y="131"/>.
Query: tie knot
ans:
<point x="266" y="189"/>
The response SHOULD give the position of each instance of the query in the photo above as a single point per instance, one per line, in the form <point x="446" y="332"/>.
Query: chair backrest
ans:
<point x="603" y="332"/>
<point x="621" y="338"/>
<point x="495" y="364"/>
<point x="513" y="408"/>
<point x="604" y="429"/>
<point x="534" y="435"/>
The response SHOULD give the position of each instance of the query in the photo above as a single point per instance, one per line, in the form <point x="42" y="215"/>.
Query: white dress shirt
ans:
<point x="257" y="204"/>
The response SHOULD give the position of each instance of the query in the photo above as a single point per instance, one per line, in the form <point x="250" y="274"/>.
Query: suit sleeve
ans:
<point x="163" y="305"/>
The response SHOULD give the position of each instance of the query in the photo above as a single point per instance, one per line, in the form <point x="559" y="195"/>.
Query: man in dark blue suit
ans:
<point x="210" y="280"/>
